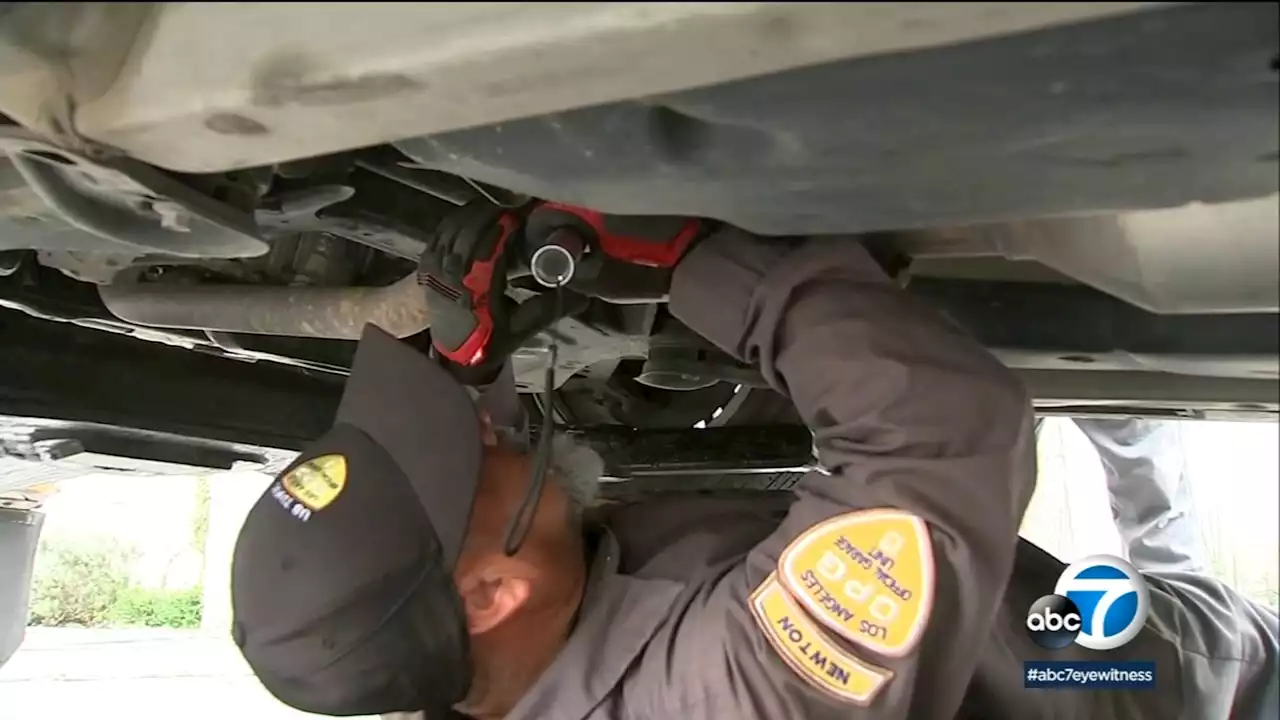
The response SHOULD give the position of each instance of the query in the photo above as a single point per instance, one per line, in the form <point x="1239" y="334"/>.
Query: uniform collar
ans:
<point x="606" y="556"/>
<point x="620" y="613"/>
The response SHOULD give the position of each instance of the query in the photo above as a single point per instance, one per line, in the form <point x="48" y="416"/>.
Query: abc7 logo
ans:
<point x="1053" y="622"/>
<point x="1100" y="602"/>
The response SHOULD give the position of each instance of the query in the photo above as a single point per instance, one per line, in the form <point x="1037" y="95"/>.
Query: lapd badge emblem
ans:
<point x="867" y="575"/>
<point x="317" y="482"/>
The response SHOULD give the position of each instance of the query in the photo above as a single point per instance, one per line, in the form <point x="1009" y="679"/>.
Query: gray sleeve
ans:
<point x="1150" y="491"/>
<point x="912" y="419"/>
<point x="1228" y="646"/>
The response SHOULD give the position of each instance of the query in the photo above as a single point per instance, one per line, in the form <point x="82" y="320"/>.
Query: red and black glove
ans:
<point x="464" y="274"/>
<point x="463" y="271"/>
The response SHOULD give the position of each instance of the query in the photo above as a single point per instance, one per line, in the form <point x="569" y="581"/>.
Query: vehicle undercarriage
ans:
<point x="1091" y="195"/>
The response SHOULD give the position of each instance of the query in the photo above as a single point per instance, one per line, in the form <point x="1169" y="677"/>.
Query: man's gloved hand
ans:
<point x="464" y="274"/>
<point x="474" y="325"/>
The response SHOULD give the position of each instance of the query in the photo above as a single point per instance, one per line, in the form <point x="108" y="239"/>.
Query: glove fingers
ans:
<point x="444" y="239"/>
<point x="478" y="238"/>
<point x="456" y="236"/>
<point x="453" y="266"/>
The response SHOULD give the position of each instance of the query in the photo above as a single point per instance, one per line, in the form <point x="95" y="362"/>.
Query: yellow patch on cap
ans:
<point x="867" y="575"/>
<point x="809" y="652"/>
<point x="318" y="481"/>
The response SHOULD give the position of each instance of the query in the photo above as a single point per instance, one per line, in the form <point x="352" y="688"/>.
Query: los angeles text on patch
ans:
<point x="808" y="651"/>
<point x="868" y="575"/>
<point x="317" y="482"/>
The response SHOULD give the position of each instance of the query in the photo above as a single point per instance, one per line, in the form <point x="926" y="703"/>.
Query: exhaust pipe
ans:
<point x="335" y="313"/>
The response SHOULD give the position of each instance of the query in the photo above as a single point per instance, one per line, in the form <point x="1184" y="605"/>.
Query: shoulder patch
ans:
<point x="317" y="482"/>
<point x="808" y="651"/>
<point x="867" y="575"/>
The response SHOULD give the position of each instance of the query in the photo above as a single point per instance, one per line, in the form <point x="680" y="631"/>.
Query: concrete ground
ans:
<point x="140" y="674"/>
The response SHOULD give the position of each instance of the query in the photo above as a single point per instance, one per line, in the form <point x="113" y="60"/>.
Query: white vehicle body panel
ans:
<point x="206" y="87"/>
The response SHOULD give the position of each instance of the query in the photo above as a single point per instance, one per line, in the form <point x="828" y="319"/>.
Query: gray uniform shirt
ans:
<point x="930" y="451"/>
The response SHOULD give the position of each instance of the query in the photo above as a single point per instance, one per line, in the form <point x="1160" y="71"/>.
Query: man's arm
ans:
<point x="880" y="587"/>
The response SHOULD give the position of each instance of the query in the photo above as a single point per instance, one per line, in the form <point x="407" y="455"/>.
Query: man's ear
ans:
<point x="492" y="594"/>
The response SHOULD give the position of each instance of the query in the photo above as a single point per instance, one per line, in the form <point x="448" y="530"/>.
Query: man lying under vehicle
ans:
<point x="392" y="567"/>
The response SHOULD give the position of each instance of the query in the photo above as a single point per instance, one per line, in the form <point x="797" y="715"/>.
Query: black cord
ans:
<point x="520" y="524"/>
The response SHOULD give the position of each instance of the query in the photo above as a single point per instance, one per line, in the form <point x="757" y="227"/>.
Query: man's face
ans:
<point x="549" y="567"/>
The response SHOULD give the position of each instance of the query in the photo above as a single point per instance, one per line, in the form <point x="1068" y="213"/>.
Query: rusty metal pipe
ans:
<point x="337" y="313"/>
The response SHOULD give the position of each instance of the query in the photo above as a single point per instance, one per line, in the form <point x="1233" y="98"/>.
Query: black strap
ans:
<point x="522" y="521"/>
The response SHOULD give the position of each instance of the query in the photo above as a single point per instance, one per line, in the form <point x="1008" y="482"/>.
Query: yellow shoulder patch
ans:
<point x="808" y="651"/>
<point x="317" y="482"/>
<point x="867" y="575"/>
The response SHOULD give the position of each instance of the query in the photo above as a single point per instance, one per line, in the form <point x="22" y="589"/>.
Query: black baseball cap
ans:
<point x="342" y="589"/>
